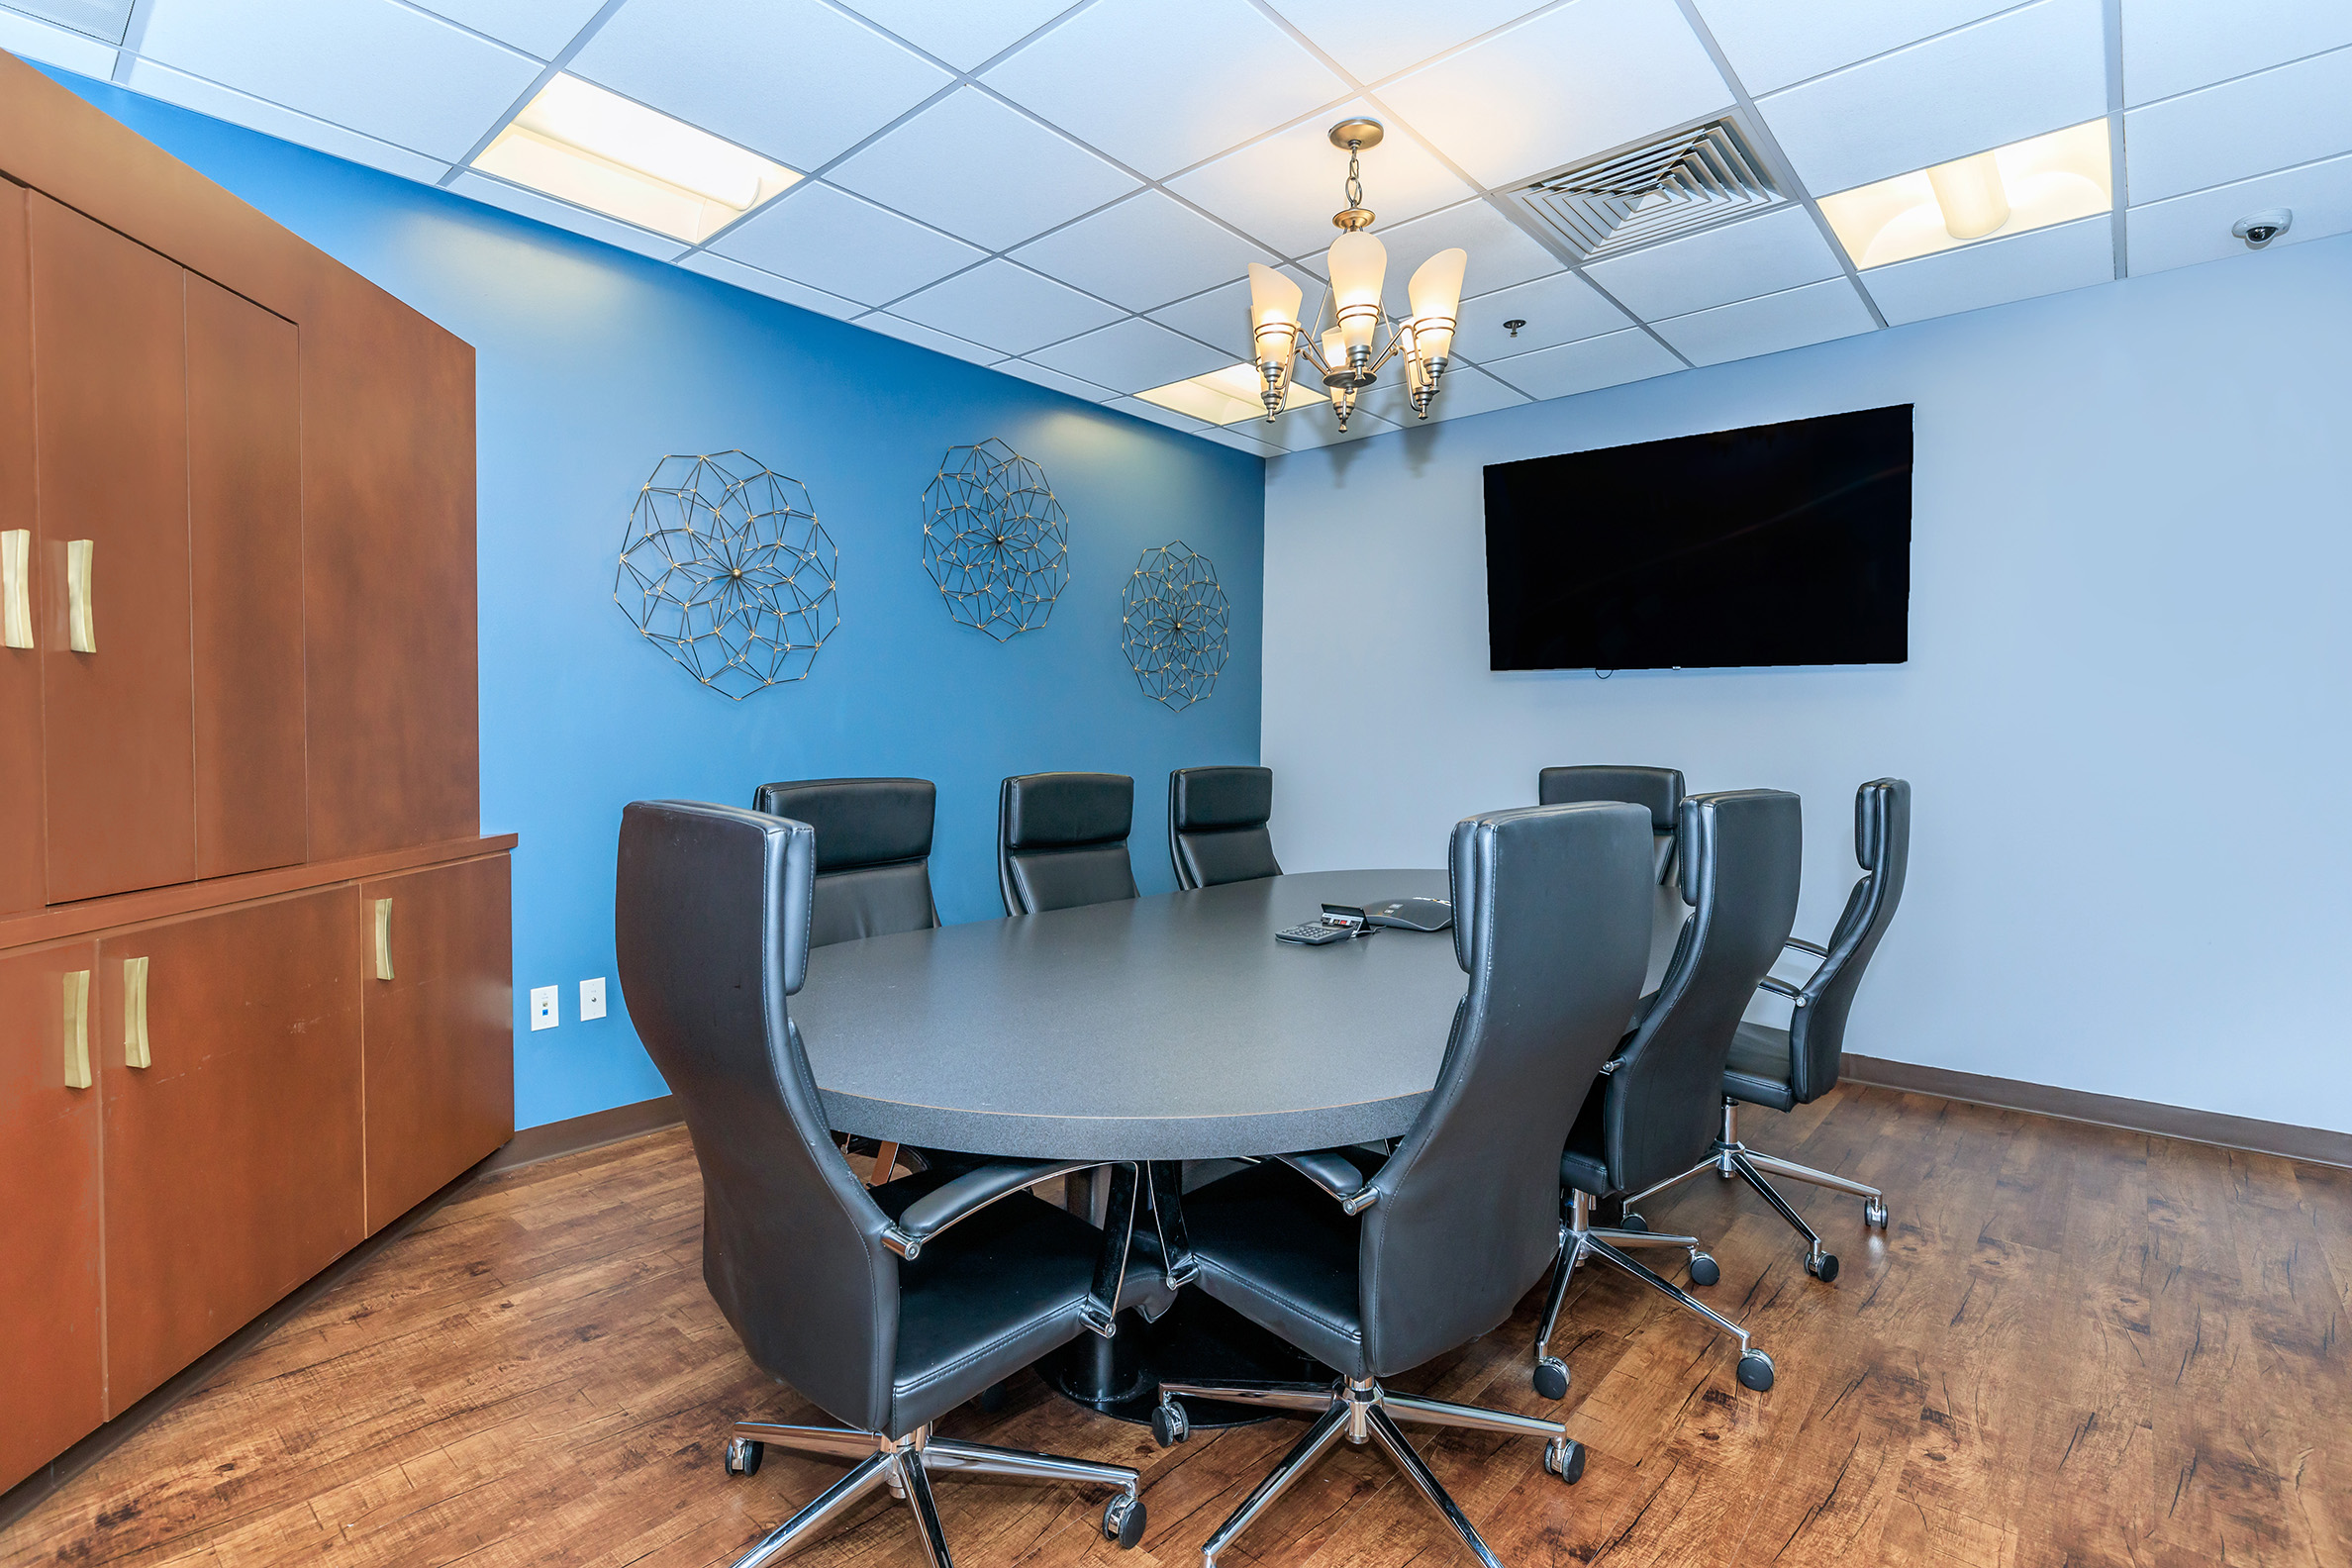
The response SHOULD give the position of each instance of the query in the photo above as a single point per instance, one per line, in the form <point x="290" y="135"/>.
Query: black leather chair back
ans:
<point x="873" y="852"/>
<point x="1551" y="923"/>
<point x="1061" y="840"/>
<point x="712" y="916"/>
<point x="1659" y="789"/>
<point x="1742" y="854"/>
<point x="1881" y="847"/>
<point x="1216" y="825"/>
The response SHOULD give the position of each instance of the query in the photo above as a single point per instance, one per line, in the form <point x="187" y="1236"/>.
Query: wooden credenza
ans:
<point x="255" y="986"/>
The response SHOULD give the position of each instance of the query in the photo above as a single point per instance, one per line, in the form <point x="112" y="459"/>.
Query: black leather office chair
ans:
<point x="1788" y="1068"/>
<point x="873" y="852"/>
<point x="868" y="1304"/>
<point x="1216" y="825"/>
<point x="1061" y="840"/>
<point x="1659" y="789"/>
<point x="1653" y="1112"/>
<point x="1375" y="1274"/>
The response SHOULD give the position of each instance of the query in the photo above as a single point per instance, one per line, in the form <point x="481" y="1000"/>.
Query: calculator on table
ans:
<point x="1340" y="923"/>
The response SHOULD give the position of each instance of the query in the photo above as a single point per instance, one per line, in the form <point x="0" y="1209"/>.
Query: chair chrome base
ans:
<point x="1361" y="1410"/>
<point x="906" y="1465"/>
<point x="1734" y="1158"/>
<point x="1579" y="1240"/>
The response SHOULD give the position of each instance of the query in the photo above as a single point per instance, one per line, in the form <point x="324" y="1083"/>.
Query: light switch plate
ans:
<point x="592" y="999"/>
<point x="543" y="1007"/>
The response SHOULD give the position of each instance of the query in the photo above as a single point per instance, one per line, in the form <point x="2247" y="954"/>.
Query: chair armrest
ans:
<point x="1802" y="946"/>
<point x="1780" y="987"/>
<point x="1335" y="1174"/>
<point x="966" y="1195"/>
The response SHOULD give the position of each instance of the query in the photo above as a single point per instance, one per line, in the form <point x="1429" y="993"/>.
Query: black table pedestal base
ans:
<point x="1199" y="1340"/>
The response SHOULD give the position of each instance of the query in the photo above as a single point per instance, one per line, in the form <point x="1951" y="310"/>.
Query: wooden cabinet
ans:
<point x="439" y="1022"/>
<point x="22" y="882"/>
<point x="49" y="1323"/>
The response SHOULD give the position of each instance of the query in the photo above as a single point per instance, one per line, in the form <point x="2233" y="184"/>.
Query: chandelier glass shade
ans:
<point x="1353" y="336"/>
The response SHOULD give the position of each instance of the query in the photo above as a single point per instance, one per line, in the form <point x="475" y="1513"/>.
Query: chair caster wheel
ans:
<point x="1168" y="1423"/>
<point x="1633" y="1222"/>
<point x="744" y="1456"/>
<point x="1566" y="1458"/>
<point x="1551" y="1378"/>
<point x="1874" y="1214"/>
<point x="1122" y="1520"/>
<point x="1704" y="1270"/>
<point x="992" y="1398"/>
<point x="1822" y="1267"/>
<point x="1755" y="1370"/>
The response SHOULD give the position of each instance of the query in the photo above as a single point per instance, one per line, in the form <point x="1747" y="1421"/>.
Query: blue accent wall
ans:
<point x="592" y="364"/>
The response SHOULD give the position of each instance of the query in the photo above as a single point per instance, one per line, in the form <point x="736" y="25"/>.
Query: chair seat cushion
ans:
<point x="992" y="1295"/>
<point x="1276" y="1248"/>
<point x="1758" y="1071"/>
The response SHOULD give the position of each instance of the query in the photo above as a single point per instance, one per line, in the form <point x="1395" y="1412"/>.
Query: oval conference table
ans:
<point x="1171" y="1028"/>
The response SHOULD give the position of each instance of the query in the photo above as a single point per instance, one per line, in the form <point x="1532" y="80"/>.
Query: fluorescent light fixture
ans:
<point x="1224" y="397"/>
<point x="2031" y="184"/>
<point x="597" y="149"/>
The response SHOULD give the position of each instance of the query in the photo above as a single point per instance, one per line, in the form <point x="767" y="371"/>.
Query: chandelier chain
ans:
<point x="1355" y="177"/>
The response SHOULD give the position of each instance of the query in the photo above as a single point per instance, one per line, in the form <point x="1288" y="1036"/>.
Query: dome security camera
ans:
<point x="2260" y="229"/>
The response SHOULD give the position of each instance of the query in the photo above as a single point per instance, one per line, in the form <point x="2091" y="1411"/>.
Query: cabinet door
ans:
<point x="244" y="529"/>
<point x="111" y="424"/>
<point x="233" y="1157"/>
<point x="20" y="880"/>
<point x="50" y="1334"/>
<point x="439" y="1030"/>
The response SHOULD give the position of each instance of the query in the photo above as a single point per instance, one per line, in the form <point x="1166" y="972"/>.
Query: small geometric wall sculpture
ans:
<point x="1174" y="625"/>
<point x="726" y="568"/>
<point x="995" y="540"/>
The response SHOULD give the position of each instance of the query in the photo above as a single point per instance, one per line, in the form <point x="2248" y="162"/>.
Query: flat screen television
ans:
<point x="1775" y="544"/>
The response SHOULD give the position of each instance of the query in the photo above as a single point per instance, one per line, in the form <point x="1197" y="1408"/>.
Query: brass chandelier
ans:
<point x="1349" y="352"/>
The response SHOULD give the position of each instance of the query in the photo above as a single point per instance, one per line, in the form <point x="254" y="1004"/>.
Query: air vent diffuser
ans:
<point x="1661" y="190"/>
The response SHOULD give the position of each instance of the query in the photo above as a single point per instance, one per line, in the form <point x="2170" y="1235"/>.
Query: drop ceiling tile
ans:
<point x="1160" y="415"/>
<point x="563" y="215"/>
<point x="1569" y="368"/>
<point x="1372" y="39"/>
<point x="924" y="338"/>
<point x="1813" y="314"/>
<point x="831" y="239"/>
<point x="1466" y="390"/>
<point x="2176" y="45"/>
<point x="1159" y="86"/>
<point x="1573" y="81"/>
<point x="1772" y="44"/>
<point x="2188" y="230"/>
<point x="978" y="168"/>
<point x="370" y="66"/>
<point x="794" y="80"/>
<point x="713" y="265"/>
<point x="1284" y="188"/>
<point x="1776" y="251"/>
<point x="1086" y="391"/>
<point x="1007" y="307"/>
<point x="1502" y="253"/>
<point x="1130" y="356"/>
<point x="1304" y="428"/>
<point x="2040" y="67"/>
<point x="1233" y="436"/>
<point x="964" y="33"/>
<point x="1220" y="315"/>
<point x="55" y="45"/>
<point x="2043" y="261"/>
<point x="2243" y="127"/>
<point x="210" y="98"/>
<point x="1143" y="252"/>
<point x="545" y="28"/>
<point x="1562" y="308"/>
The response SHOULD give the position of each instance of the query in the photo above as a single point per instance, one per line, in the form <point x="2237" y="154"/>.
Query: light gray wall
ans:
<point x="2125" y="711"/>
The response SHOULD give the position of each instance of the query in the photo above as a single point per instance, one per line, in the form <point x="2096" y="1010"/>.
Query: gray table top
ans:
<point x="1167" y="1028"/>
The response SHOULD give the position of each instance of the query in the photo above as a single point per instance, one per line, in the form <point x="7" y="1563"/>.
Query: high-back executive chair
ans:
<point x="1061" y="840"/>
<point x="1216" y="825"/>
<point x="886" y="1307"/>
<point x="873" y="852"/>
<point x="1652" y="1112"/>
<point x="1662" y="791"/>
<point x="1375" y="1275"/>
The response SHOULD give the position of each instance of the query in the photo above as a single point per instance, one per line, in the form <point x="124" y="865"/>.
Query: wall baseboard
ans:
<point x="2315" y="1145"/>
<point x="576" y="1134"/>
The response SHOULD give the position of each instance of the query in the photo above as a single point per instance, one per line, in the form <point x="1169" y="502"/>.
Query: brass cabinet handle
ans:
<point x="81" y="625"/>
<point x="383" y="923"/>
<point x="15" y="588"/>
<point x="77" y="1029"/>
<point x="135" y="1029"/>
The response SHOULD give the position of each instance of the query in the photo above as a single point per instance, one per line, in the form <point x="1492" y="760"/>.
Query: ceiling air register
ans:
<point x="1663" y="189"/>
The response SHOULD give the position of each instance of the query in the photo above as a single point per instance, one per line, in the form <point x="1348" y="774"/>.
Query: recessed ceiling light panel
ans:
<point x="2031" y="184"/>
<point x="100" y="19"/>
<point x="597" y="149"/>
<point x="1224" y="397"/>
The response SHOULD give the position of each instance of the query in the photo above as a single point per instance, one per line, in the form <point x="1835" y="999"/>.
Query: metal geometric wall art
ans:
<point x="726" y="568"/>
<point x="1175" y="624"/>
<point x="995" y="540"/>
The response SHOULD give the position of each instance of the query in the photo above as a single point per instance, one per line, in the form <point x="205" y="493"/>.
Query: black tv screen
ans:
<point x="1775" y="544"/>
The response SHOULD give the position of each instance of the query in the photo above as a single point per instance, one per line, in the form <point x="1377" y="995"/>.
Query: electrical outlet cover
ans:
<point x="592" y="1003"/>
<point x="543" y="1007"/>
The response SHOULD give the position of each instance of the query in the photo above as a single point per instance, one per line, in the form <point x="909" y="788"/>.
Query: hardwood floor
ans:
<point x="2075" y="1346"/>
